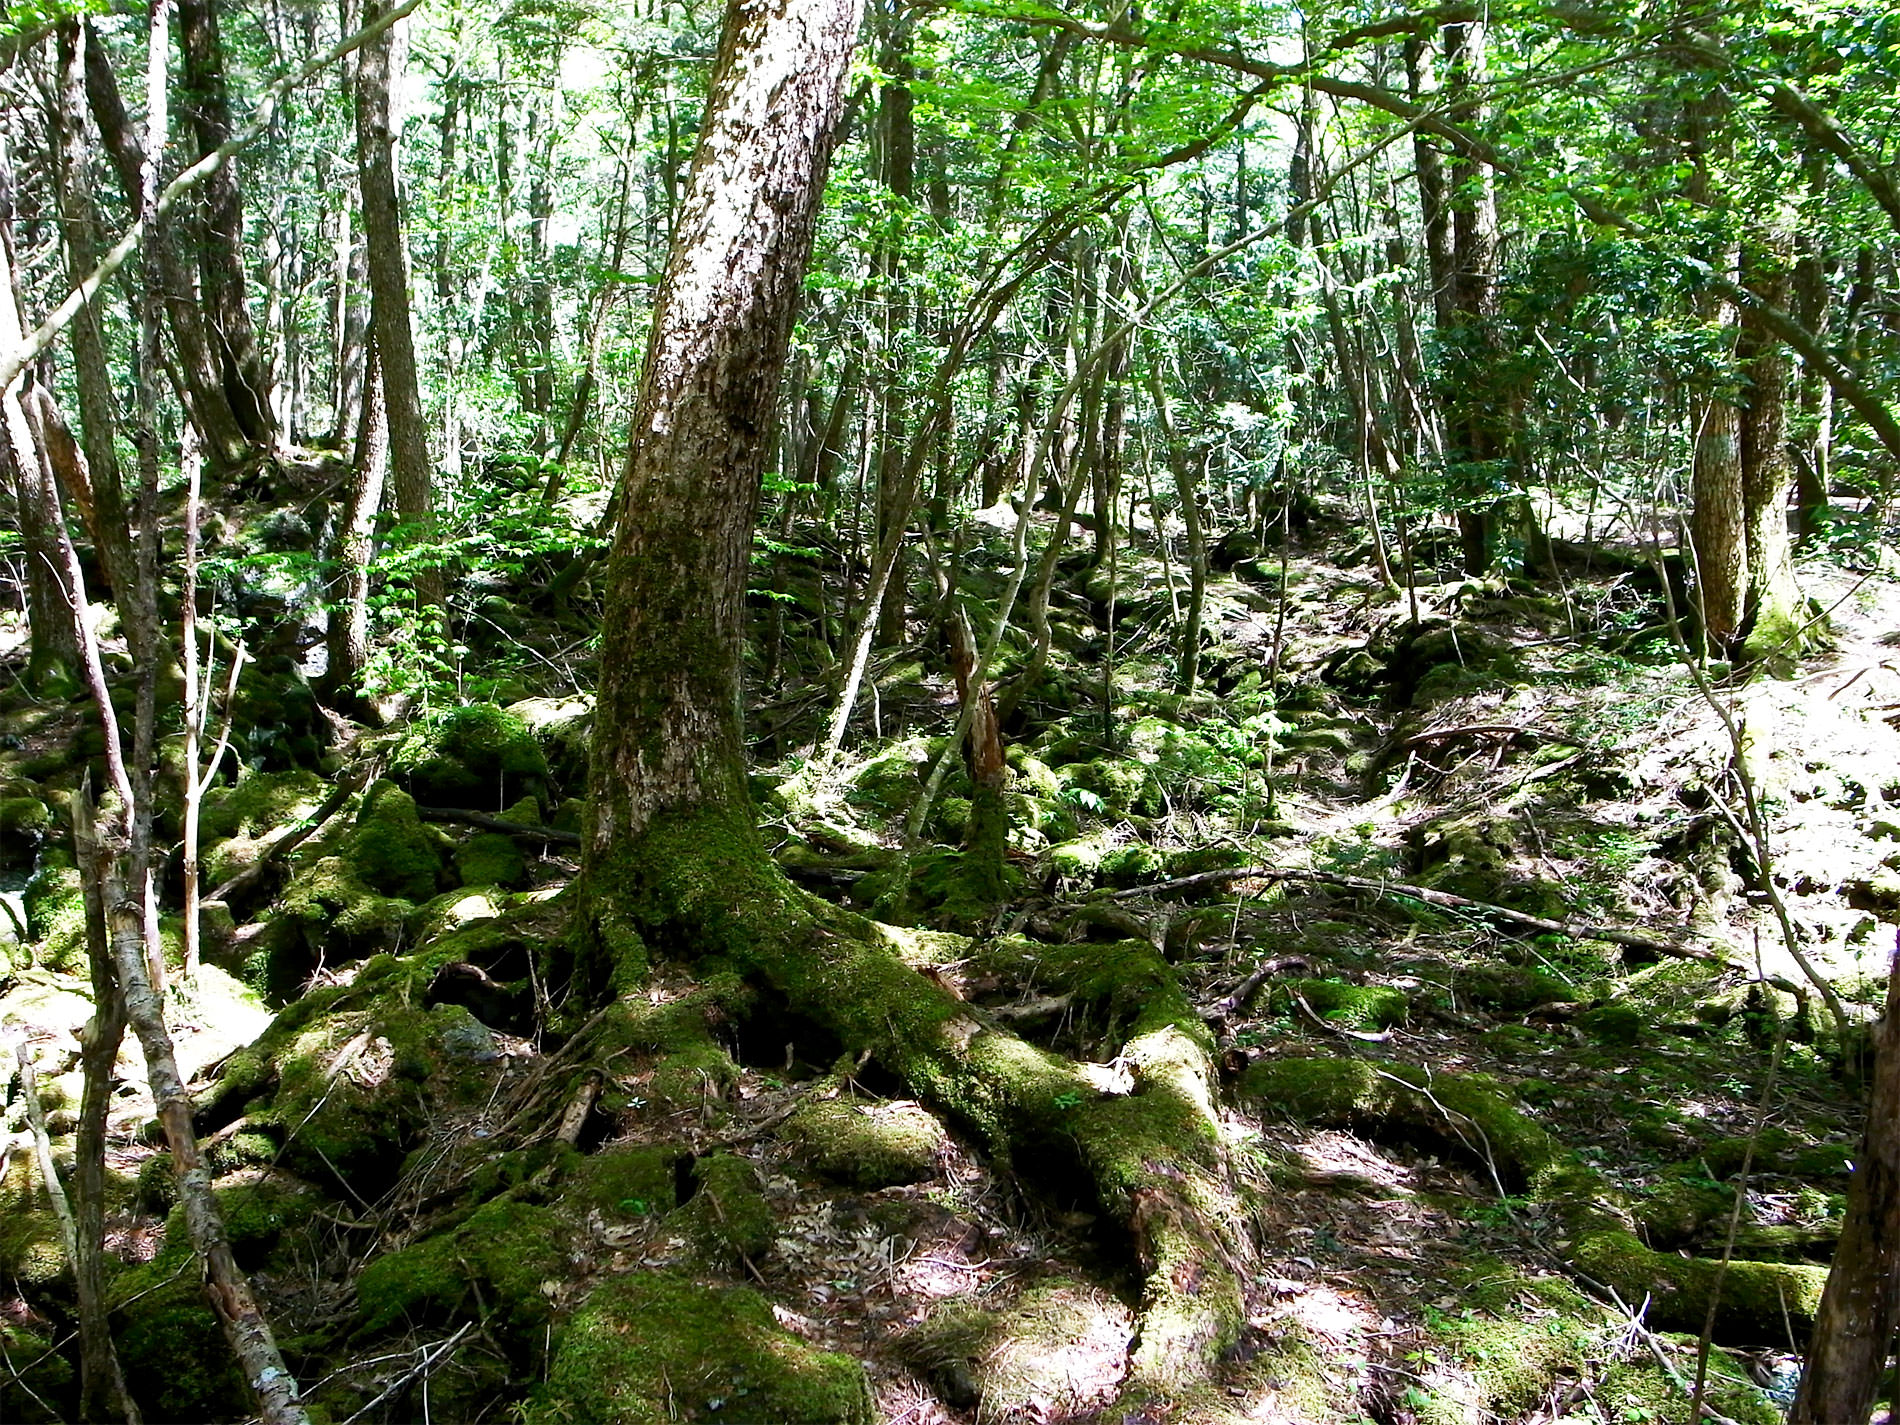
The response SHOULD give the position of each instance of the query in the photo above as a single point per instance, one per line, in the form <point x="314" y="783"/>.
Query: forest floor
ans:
<point x="449" y="1196"/>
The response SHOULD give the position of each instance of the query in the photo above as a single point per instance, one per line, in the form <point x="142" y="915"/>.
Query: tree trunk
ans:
<point x="1860" y="1307"/>
<point x="1477" y="430"/>
<point x="667" y="733"/>
<point x="409" y="469"/>
<point x="91" y="375"/>
<point x="346" y="640"/>
<point x="204" y="105"/>
<point x="1774" y="604"/>
<point x="202" y="392"/>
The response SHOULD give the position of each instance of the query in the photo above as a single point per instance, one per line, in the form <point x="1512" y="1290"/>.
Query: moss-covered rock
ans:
<point x="393" y="851"/>
<point x="1367" y="1007"/>
<point x="1056" y="1348"/>
<point x="482" y="756"/>
<point x="868" y="1145"/>
<point x="1617" y="1025"/>
<point x="653" y="1348"/>
<point x="502" y="1255"/>
<point x="25" y="823"/>
<point x="491" y="858"/>
<point x="56" y="914"/>
<point x="35" y="1387"/>
<point x="728" y="1218"/>
<point x="260" y="803"/>
<point x="629" y="1181"/>
<point x="173" y="1352"/>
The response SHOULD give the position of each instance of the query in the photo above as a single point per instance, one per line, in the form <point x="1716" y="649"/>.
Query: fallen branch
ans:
<point x="1575" y="928"/>
<point x="520" y="830"/>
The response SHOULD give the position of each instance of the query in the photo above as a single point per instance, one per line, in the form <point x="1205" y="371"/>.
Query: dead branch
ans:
<point x="520" y="830"/>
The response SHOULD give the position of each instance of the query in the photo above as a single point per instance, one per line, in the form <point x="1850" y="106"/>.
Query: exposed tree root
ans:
<point x="1152" y="1158"/>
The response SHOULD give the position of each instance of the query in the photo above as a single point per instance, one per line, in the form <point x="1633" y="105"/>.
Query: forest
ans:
<point x="946" y="712"/>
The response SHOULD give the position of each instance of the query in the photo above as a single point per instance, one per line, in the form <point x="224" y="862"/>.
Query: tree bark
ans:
<point x="79" y="232"/>
<point x="409" y="469"/>
<point x="1860" y="1307"/>
<point x="667" y="732"/>
<point x="1773" y="607"/>
<point x="346" y="640"/>
<point x="222" y="434"/>
<point x="205" y="106"/>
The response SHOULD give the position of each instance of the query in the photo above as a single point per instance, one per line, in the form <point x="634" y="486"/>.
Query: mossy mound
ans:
<point x="482" y="756"/>
<point x="501" y="1257"/>
<point x="277" y="723"/>
<point x="653" y="1348"/>
<point x="630" y="1181"/>
<point x="1119" y="991"/>
<point x="868" y="1145"/>
<point x="393" y="851"/>
<point x="1467" y="1112"/>
<point x="174" y="1355"/>
<point x="1058" y="1346"/>
<point x="56" y="914"/>
<point x="259" y="803"/>
<point x="491" y="858"/>
<point x="728" y="1218"/>
<point x="347" y="1090"/>
<point x="37" y="1380"/>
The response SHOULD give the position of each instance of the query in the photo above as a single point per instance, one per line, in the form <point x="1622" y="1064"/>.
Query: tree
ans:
<point x="672" y="860"/>
<point x="408" y="435"/>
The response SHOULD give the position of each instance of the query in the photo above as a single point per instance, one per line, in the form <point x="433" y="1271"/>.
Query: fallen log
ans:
<point x="1574" y="927"/>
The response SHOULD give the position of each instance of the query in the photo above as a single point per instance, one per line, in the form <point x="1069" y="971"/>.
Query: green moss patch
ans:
<point x="654" y="1348"/>
<point x="728" y="1218"/>
<point x="867" y="1145"/>
<point x="630" y="1181"/>
<point x="1367" y="1007"/>
<point x="482" y="756"/>
<point x="491" y="858"/>
<point x="500" y="1256"/>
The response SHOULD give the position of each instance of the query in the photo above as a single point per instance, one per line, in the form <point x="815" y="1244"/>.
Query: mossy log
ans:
<point x="699" y="886"/>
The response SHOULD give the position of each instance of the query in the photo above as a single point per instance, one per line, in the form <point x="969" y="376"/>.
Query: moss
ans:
<point x="327" y="916"/>
<point x="258" y="1206"/>
<point x="1515" y="988"/>
<point x="392" y="851"/>
<point x="1758" y="1301"/>
<point x="629" y="1181"/>
<point x="357" y="1084"/>
<point x="1057" y="1347"/>
<point x="24" y="824"/>
<point x="652" y="1347"/>
<point x="174" y="1355"/>
<point x="728" y="1218"/>
<point x="1468" y="1112"/>
<point x="1617" y="1025"/>
<point x="491" y="858"/>
<point x="501" y="1255"/>
<point x="1498" y="1358"/>
<point x="1638" y="1390"/>
<point x="56" y="914"/>
<point x="36" y="1381"/>
<point x="482" y="756"/>
<point x="1354" y="1006"/>
<point x="261" y="802"/>
<point x="1123" y="990"/>
<point x="1121" y="785"/>
<point x="867" y="1145"/>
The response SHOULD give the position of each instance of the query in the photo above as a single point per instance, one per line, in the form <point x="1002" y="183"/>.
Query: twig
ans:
<point x="430" y="1355"/>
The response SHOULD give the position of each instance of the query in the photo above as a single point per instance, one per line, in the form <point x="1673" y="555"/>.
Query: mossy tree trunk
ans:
<point x="667" y="732"/>
<point x="672" y="861"/>
<point x="1861" y="1305"/>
